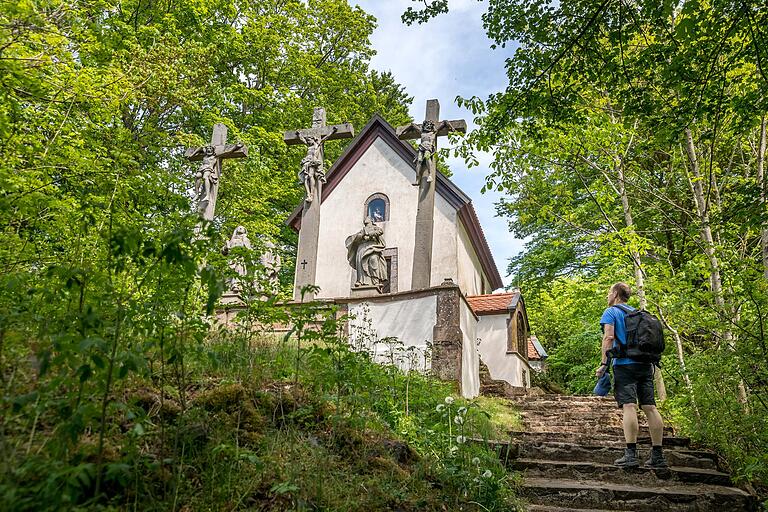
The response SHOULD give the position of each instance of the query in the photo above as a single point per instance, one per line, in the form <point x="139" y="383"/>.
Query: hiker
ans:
<point x="633" y="381"/>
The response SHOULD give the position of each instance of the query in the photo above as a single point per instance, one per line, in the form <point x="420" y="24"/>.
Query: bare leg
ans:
<point x="655" y="424"/>
<point x="630" y="423"/>
<point x="308" y="186"/>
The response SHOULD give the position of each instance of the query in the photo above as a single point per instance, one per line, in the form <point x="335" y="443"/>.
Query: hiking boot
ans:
<point x="657" y="461"/>
<point x="629" y="460"/>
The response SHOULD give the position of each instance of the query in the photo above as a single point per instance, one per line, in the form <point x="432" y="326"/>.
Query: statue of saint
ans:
<point x="365" y="253"/>
<point x="312" y="165"/>
<point x="239" y="239"/>
<point x="272" y="263"/>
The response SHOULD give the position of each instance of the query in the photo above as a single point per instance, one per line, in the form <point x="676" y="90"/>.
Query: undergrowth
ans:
<point x="256" y="422"/>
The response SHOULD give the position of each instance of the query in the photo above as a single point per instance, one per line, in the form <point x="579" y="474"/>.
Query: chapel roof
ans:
<point x="494" y="303"/>
<point x="535" y="349"/>
<point x="377" y="127"/>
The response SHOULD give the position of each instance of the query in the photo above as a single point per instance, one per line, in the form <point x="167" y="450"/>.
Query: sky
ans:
<point x="447" y="57"/>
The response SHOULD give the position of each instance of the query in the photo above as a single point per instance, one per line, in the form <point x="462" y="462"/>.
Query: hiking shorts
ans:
<point x="633" y="383"/>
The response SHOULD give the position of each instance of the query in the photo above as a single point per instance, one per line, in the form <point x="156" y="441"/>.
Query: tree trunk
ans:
<point x="634" y="253"/>
<point x="658" y="378"/>
<point x="715" y="280"/>
<point x="680" y="359"/>
<point x="761" y="183"/>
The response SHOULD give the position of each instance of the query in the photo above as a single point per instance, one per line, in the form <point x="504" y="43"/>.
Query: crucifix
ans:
<point x="208" y="173"/>
<point x="312" y="177"/>
<point x="426" y="168"/>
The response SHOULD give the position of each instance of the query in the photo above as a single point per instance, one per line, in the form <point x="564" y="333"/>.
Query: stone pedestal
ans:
<point x="230" y="298"/>
<point x="365" y="291"/>
<point x="446" y="335"/>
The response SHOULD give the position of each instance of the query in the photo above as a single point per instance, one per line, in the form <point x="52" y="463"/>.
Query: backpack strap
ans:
<point x="624" y="308"/>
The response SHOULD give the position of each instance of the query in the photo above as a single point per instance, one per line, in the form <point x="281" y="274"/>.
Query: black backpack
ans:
<point x="645" y="337"/>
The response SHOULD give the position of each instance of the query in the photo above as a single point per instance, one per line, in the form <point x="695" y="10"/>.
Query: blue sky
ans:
<point x="449" y="56"/>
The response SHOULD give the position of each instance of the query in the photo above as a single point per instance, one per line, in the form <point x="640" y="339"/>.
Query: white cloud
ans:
<point x="447" y="57"/>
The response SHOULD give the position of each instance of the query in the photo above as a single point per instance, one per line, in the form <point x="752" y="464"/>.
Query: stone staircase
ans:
<point x="566" y="452"/>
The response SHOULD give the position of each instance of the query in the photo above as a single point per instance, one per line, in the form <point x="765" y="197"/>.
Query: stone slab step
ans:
<point x="591" y="438"/>
<point x="537" y="468"/>
<point x="590" y="493"/>
<point x="577" y="427"/>
<point x="547" y="508"/>
<point x="606" y="454"/>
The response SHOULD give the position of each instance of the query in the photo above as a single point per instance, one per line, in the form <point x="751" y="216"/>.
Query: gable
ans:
<point x="378" y="128"/>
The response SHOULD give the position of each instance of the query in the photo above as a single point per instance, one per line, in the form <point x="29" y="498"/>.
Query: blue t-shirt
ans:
<point x="615" y="316"/>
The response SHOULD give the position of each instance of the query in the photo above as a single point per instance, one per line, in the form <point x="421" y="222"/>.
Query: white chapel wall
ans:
<point x="443" y="243"/>
<point x="410" y="320"/>
<point x="470" y="358"/>
<point x="492" y="331"/>
<point x="470" y="272"/>
<point x="380" y="170"/>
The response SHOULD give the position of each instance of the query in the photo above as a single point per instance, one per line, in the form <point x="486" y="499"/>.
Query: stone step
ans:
<point x="669" y="497"/>
<point x="592" y="438"/>
<point x="576" y="426"/>
<point x="607" y="454"/>
<point x="547" y="508"/>
<point x="609" y="473"/>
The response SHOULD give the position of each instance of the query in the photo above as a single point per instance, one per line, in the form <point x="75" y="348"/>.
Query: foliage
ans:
<point x="631" y="143"/>
<point x="115" y="392"/>
<point x="259" y="422"/>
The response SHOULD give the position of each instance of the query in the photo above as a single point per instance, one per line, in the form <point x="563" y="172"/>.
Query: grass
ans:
<point x="254" y="424"/>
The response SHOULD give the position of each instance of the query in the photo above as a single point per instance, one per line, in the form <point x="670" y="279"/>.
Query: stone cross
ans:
<point x="312" y="176"/>
<point x="426" y="170"/>
<point x="208" y="174"/>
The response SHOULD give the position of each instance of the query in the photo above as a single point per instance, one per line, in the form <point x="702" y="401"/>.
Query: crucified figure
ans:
<point x="427" y="148"/>
<point x="312" y="165"/>
<point x="207" y="176"/>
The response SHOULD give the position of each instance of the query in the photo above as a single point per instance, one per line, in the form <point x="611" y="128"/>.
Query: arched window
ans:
<point x="522" y="336"/>
<point x="377" y="208"/>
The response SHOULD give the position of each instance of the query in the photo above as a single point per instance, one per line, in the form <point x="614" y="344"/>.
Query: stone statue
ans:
<point x="271" y="263"/>
<point x="427" y="133"/>
<point x="239" y="239"/>
<point x="365" y="253"/>
<point x="267" y="276"/>
<point x="426" y="151"/>
<point x="312" y="165"/>
<point x="207" y="177"/>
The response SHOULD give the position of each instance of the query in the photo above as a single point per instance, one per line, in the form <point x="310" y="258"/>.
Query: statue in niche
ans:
<point x="312" y="173"/>
<point x="365" y="253"/>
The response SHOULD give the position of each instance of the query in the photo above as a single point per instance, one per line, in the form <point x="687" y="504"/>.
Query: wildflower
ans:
<point x="449" y="400"/>
<point x="461" y="439"/>
<point x="476" y="460"/>
<point x="458" y="420"/>
<point x="439" y="407"/>
<point x="487" y="474"/>
<point x="462" y="411"/>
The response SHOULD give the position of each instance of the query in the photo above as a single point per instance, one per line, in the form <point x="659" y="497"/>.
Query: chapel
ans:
<point x="400" y="249"/>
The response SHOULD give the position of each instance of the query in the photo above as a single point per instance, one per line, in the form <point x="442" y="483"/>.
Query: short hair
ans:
<point x="622" y="291"/>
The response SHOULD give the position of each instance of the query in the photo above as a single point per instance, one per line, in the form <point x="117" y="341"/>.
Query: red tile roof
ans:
<point x="532" y="352"/>
<point x="493" y="303"/>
